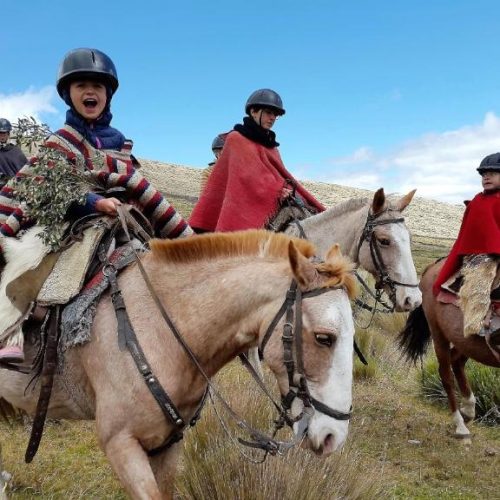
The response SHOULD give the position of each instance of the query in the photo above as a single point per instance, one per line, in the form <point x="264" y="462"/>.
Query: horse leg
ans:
<point x="131" y="464"/>
<point x="468" y="407"/>
<point x="164" y="466"/>
<point x="443" y="354"/>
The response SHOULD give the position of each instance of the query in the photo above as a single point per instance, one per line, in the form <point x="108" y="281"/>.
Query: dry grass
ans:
<point x="399" y="445"/>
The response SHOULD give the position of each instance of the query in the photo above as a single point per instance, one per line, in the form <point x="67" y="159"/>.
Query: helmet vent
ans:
<point x="93" y="57"/>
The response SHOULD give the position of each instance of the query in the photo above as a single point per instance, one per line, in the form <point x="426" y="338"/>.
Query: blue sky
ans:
<point x="395" y="93"/>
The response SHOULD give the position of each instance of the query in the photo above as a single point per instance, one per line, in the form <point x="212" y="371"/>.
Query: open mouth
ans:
<point x="90" y="103"/>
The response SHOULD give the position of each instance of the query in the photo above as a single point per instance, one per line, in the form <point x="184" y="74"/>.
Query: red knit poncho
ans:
<point x="479" y="234"/>
<point x="245" y="188"/>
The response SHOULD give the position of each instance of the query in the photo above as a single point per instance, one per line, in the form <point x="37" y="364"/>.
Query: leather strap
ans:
<point x="47" y="380"/>
<point x="127" y="338"/>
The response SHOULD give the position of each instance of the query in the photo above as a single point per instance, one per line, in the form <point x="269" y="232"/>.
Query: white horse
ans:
<point x="358" y="224"/>
<point x="372" y="233"/>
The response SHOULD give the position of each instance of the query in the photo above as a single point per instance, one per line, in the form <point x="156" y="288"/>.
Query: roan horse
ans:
<point x="372" y="233"/>
<point x="222" y="292"/>
<point x="444" y="324"/>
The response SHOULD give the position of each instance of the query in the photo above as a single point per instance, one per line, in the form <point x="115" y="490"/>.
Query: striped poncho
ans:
<point x="114" y="169"/>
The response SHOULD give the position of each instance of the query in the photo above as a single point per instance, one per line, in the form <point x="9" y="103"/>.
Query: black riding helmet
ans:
<point x="5" y="125"/>
<point x="490" y="163"/>
<point x="86" y="63"/>
<point x="265" y="98"/>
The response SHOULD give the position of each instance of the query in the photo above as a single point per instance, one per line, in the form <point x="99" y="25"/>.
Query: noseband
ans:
<point x="297" y="381"/>
<point x="368" y="234"/>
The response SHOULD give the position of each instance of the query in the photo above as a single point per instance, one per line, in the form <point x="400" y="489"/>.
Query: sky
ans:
<point x="394" y="94"/>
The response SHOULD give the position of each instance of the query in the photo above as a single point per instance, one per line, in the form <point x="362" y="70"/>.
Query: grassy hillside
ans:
<point x="399" y="446"/>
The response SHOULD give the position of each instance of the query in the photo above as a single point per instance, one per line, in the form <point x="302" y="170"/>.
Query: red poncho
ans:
<point x="245" y="188"/>
<point x="479" y="233"/>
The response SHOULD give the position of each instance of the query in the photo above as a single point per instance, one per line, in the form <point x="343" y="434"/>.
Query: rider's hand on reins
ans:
<point x="108" y="205"/>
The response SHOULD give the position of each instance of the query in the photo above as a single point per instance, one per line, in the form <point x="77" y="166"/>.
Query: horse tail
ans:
<point x="414" y="339"/>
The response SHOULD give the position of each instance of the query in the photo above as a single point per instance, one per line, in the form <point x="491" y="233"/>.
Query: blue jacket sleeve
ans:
<point x="76" y="211"/>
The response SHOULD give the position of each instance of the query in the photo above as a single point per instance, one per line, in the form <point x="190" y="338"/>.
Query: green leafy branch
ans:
<point x="52" y="183"/>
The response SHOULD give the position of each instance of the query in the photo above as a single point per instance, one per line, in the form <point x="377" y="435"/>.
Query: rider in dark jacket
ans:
<point x="11" y="156"/>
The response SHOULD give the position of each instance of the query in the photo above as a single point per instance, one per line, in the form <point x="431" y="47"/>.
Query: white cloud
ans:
<point x="360" y="155"/>
<point x="440" y="165"/>
<point x="32" y="102"/>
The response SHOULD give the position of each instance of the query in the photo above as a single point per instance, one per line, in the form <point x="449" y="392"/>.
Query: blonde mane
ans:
<point x="336" y="271"/>
<point x="339" y="272"/>
<point x="213" y="245"/>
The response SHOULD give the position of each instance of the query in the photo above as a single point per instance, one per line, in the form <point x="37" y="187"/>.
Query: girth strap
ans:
<point x="47" y="380"/>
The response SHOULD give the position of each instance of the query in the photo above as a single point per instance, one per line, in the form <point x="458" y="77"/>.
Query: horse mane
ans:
<point x="340" y="273"/>
<point x="352" y="204"/>
<point x="212" y="245"/>
<point x="337" y="271"/>
<point x="343" y="207"/>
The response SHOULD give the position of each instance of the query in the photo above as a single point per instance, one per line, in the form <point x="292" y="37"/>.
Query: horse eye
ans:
<point x="324" y="339"/>
<point x="385" y="242"/>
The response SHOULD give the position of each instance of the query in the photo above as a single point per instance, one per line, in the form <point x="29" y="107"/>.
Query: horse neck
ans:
<point x="219" y="306"/>
<point x="342" y="224"/>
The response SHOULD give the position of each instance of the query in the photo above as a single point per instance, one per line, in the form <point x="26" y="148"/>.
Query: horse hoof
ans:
<point x="465" y="438"/>
<point x="467" y="418"/>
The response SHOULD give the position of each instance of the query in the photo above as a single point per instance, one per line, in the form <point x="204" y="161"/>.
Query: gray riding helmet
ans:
<point x="265" y="98"/>
<point x="490" y="163"/>
<point x="5" y="125"/>
<point x="86" y="63"/>
<point x="218" y="143"/>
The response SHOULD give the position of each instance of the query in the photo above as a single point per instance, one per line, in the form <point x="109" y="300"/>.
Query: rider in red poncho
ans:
<point x="477" y="248"/>
<point x="249" y="182"/>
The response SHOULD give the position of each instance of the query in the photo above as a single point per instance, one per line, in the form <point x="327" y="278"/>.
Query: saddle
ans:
<point x="475" y="290"/>
<point x="291" y="209"/>
<point x="90" y="244"/>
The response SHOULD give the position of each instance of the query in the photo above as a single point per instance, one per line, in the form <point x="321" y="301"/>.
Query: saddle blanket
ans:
<point x="78" y="316"/>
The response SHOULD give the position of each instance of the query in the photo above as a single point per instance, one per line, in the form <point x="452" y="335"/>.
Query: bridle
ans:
<point x="293" y="344"/>
<point x="383" y="278"/>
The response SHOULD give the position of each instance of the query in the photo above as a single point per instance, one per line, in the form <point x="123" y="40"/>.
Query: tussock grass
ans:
<point x="215" y="469"/>
<point x="484" y="382"/>
<point x="426" y="250"/>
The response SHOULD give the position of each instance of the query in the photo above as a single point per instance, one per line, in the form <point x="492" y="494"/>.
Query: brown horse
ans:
<point x="222" y="291"/>
<point x="444" y="324"/>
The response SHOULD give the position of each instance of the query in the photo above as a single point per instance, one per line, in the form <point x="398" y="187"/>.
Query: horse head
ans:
<point x="384" y="250"/>
<point x="312" y="361"/>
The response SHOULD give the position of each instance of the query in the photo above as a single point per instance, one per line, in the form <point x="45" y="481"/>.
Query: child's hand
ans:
<point x="286" y="192"/>
<point x="107" y="205"/>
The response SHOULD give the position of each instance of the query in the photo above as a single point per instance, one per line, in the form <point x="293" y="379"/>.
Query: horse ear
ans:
<point x="378" y="203"/>
<point x="334" y="252"/>
<point x="303" y="270"/>
<point x="402" y="203"/>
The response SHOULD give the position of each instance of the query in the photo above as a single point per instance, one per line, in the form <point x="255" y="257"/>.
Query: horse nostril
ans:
<point x="328" y="444"/>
